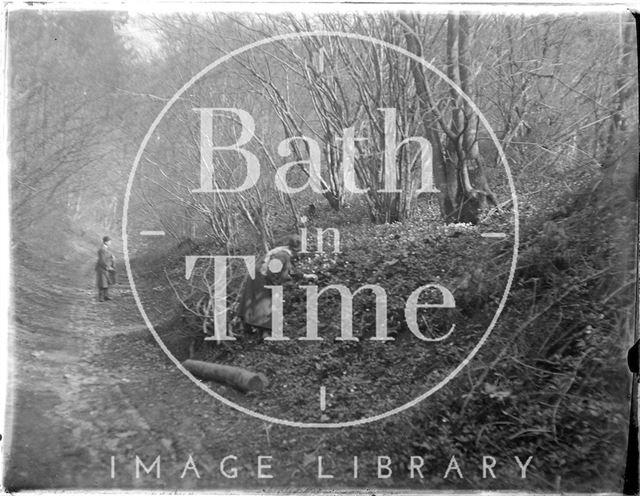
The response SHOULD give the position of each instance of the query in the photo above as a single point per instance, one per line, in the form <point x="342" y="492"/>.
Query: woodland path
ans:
<point x="90" y="384"/>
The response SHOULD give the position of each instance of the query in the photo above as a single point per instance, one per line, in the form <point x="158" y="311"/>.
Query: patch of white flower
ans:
<point x="461" y="227"/>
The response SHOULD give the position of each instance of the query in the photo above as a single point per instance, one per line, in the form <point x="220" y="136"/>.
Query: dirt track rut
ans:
<point x="90" y="384"/>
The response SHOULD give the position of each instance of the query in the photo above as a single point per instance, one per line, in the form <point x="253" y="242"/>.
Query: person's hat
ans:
<point x="105" y="239"/>
<point x="293" y="242"/>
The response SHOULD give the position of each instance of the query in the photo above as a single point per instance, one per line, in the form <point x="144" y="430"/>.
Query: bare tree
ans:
<point x="458" y="159"/>
<point x="623" y="89"/>
<point x="346" y="84"/>
<point x="61" y="106"/>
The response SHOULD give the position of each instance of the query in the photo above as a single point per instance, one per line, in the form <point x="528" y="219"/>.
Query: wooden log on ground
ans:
<point x="236" y="377"/>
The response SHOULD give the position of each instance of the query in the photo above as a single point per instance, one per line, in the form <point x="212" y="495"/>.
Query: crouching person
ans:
<point x="276" y="268"/>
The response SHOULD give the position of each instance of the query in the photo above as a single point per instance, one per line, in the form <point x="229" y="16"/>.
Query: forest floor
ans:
<point x="88" y="384"/>
<point x="91" y="393"/>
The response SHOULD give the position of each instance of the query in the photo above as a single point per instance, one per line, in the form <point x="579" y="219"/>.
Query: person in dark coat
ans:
<point x="254" y="307"/>
<point x="105" y="269"/>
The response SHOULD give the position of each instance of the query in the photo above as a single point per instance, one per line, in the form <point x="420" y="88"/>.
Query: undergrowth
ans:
<point x="548" y="383"/>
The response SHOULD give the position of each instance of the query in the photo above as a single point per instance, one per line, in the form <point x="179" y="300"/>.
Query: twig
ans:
<point x="621" y="288"/>
<point x="520" y="329"/>
<point x="564" y="393"/>
<point x="178" y="296"/>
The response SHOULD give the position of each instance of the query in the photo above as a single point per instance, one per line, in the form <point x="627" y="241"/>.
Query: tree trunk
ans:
<point x="441" y="175"/>
<point x="618" y="123"/>
<point x="239" y="378"/>
<point x="460" y="200"/>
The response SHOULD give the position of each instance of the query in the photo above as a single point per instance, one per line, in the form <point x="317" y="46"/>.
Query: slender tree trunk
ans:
<point x="441" y="175"/>
<point x="618" y="123"/>
<point x="460" y="201"/>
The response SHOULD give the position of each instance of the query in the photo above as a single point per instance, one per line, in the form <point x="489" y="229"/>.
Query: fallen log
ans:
<point x="236" y="377"/>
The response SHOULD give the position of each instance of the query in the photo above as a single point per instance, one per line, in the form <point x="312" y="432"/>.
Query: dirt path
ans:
<point x="90" y="385"/>
<point x="68" y="407"/>
<point x="96" y="403"/>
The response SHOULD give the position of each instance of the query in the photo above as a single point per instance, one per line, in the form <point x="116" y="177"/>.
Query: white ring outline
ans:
<point x="454" y="372"/>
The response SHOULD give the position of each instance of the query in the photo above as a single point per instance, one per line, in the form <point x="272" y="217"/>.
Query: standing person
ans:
<point x="254" y="308"/>
<point x="105" y="269"/>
